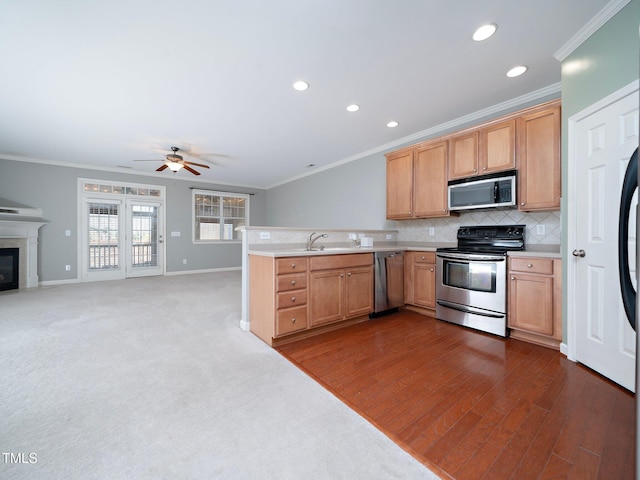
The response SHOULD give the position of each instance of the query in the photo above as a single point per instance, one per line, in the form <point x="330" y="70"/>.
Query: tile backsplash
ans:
<point x="445" y="229"/>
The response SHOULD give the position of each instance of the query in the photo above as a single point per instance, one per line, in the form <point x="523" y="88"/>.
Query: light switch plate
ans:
<point x="175" y="234"/>
<point x="540" y="229"/>
<point x="265" y="235"/>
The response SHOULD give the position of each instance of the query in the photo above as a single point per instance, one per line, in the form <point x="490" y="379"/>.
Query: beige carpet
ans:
<point x="152" y="378"/>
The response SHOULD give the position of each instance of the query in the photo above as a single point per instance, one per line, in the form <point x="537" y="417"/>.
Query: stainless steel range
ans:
<point x="471" y="289"/>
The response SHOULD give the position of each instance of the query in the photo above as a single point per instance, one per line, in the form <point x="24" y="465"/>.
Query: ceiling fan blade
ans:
<point x="196" y="164"/>
<point x="161" y="167"/>
<point x="189" y="169"/>
<point x="149" y="160"/>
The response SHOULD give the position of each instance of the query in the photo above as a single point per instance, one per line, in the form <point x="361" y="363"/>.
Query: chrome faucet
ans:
<point x="312" y="239"/>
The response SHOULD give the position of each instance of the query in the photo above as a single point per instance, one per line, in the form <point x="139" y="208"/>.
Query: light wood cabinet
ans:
<point x="294" y="297"/>
<point x="538" y="153"/>
<point x="417" y="181"/>
<point x="400" y="184"/>
<point x="528" y="141"/>
<point x="340" y="287"/>
<point x="463" y="159"/>
<point x="534" y="300"/>
<point x="278" y="296"/>
<point x="420" y="279"/>
<point x="430" y="180"/>
<point x="485" y="150"/>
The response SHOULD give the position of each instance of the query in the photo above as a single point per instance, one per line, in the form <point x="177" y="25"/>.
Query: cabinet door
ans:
<point x="531" y="303"/>
<point x="539" y="160"/>
<point x="358" y="291"/>
<point x="424" y="278"/>
<point x="463" y="156"/>
<point x="400" y="184"/>
<point x="430" y="180"/>
<point x="498" y="147"/>
<point x="326" y="296"/>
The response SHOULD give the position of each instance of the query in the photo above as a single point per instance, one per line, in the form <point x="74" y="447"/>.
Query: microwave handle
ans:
<point x="495" y="192"/>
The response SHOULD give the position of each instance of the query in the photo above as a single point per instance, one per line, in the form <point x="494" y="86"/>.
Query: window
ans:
<point x="217" y="214"/>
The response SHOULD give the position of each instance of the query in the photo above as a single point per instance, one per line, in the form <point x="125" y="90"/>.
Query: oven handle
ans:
<point x="472" y="257"/>
<point x="468" y="309"/>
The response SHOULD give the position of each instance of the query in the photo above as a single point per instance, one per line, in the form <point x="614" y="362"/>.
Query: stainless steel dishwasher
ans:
<point x="389" y="282"/>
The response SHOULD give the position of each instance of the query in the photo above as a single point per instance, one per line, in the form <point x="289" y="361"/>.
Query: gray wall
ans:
<point x="604" y="63"/>
<point x="54" y="189"/>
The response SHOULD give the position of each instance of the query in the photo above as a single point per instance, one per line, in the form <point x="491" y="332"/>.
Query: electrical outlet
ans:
<point x="540" y="229"/>
<point x="175" y="234"/>
<point x="389" y="236"/>
<point x="184" y="261"/>
<point x="265" y="235"/>
<point x="432" y="231"/>
<point x="67" y="233"/>
<point x="353" y="236"/>
<point x="67" y="268"/>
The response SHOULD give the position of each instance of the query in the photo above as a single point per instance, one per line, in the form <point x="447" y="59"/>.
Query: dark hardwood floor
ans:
<point x="471" y="405"/>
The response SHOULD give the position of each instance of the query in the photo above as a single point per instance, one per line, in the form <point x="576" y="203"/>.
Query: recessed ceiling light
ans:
<point x="300" y="85"/>
<point x="311" y="165"/>
<point x="353" y="108"/>
<point x="392" y="124"/>
<point x="517" y="71"/>
<point x="484" y="32"/>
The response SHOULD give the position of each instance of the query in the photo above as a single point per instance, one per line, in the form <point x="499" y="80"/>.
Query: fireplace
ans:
<point x="19" y="225"/>
<point x="9" y="267"/>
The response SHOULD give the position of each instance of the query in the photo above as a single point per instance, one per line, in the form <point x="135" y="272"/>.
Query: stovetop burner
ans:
<point x="496" y="239"/>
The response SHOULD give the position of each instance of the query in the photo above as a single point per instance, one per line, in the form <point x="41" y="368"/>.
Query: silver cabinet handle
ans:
<point x="293" y="265"/>
<point x="529" y="265"/>
<point x="578" y="253"/>
<point x="513" y="278"/>
<point x="293" y="320"/>
<point x="431" y="269"/>
<point x="293" y="299"/>
<point x="349" y="274"/>
<point x="293" y="282"/>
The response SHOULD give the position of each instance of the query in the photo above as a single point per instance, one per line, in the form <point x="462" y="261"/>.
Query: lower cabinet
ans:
<point x="534" y="299"/>
<point x="289" y="297"/>
<point x="420" y="280"/>
<point x="340" y="287"/>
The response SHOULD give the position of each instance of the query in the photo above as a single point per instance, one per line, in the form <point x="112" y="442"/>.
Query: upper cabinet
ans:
<point x="400" y="184"/>
<point x="539" y="171"/>
<point x="484" y="150"/>
<point x="528" y="141"/>
<point x="417" y="181"/>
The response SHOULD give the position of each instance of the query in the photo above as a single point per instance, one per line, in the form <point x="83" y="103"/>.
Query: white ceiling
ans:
<point x="102" y="83"/>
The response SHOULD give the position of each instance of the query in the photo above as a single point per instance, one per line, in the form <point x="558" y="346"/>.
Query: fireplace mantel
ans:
<point x="24" y="227"/>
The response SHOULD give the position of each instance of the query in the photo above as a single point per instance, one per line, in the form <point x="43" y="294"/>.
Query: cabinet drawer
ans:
<point x="291" y="265"/>
<point x="291" y="320"/>
<point x="532" y="265"/>
<point x="424" y="257"/>
<point x="294" y="281"/>
<point x="327" y="262"/>
<point x="292" y="299"/>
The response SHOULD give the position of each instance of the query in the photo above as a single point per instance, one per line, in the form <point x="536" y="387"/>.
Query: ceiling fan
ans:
<point x="175" y="162"/>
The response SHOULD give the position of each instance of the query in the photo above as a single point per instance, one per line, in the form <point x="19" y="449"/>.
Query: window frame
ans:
<point x="221" y="196"/>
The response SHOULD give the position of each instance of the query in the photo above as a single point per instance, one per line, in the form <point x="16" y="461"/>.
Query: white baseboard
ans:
<point x="564" y="349"/>
<point x="205" y="270"/>
<point x="58" y="282"/>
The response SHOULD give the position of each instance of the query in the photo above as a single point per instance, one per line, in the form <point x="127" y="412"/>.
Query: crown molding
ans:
<point x="494" y="110"/>
<point x="603" y="16"/>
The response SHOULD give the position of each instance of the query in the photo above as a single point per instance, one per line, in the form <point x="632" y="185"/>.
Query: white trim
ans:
<point x="204" y="270"/>
<point x="603" y="16"/>
<point x="564" y="349"/>
<point x="572" y="162"/>
<point x="438" y="129"/>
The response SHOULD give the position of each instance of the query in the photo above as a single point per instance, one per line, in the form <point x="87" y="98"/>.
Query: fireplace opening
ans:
<point x="9" y="258"/>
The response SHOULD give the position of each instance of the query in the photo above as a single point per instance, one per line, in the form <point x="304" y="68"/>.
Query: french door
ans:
<point x="121" y="238"/>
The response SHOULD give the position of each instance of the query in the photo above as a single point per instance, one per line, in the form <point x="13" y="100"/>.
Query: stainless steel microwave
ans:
<point x="484" y="191"/>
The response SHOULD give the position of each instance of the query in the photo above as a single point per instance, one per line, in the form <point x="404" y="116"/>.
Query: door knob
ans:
<point x="579" y="253"/>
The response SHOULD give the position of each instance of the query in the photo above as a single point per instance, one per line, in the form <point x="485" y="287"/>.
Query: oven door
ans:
<point x="476" y="281"/>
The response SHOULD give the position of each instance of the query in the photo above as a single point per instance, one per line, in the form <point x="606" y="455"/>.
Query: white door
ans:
<point x="601" y="141"/>
<point x="144" y="239"/>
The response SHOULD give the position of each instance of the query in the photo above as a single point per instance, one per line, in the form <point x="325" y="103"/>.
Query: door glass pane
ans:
<point x="144" y="236"/>
<point x="104" y="249"/>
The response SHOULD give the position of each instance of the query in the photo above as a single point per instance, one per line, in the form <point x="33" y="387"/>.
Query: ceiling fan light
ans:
<point x="174" y="166"/>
